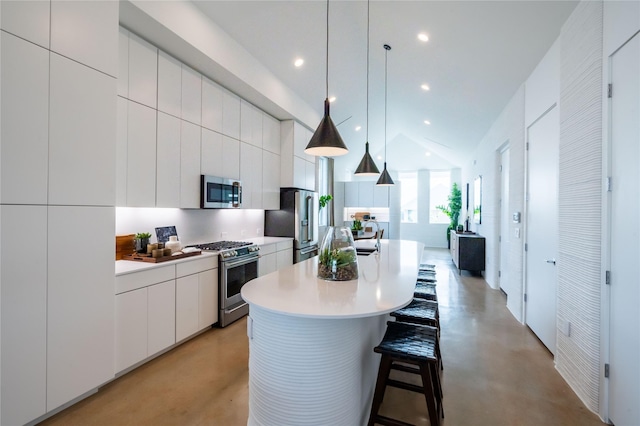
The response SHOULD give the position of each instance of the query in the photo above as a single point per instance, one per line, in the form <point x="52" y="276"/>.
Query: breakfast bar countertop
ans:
<point x="386" y="282"/>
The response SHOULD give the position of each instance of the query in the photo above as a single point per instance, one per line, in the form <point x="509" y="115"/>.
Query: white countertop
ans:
<point x="386" y="282"/>
<point x="130" y="266"/>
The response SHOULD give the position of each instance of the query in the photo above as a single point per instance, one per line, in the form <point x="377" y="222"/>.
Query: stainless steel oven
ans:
<point x="220" y="193"/>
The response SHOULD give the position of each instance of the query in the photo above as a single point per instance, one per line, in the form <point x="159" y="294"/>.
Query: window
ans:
<point x="439" y="189"/>
<point x="408" y="197"/>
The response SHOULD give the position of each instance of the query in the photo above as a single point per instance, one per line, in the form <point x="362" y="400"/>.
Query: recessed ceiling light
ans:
<point x="423" y="37"/>
<point x="428" y="154"/>
<point x="332" y="99"/>
<point x="425" y="87"/>
<point x="427" y="122"/>
<point x="298" y="62"/>
<point x="358" y="128"/>
<point x="379" y="157"/>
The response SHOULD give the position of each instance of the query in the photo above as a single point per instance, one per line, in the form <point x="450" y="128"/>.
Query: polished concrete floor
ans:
<point x="496" y="373"/>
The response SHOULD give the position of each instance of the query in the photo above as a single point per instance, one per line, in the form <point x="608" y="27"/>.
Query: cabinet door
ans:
<point x="80" y="292"/>
<point x="28" y="20"/>
<point x="284" y="258"/>
<point x="270" y="181"/>
<point x="168" y="173"/>
<point x="211" y="161"/>
<point x="207" y="298"/>
<point x="191" y="95"/>
<point x="365" y="194"/>
<point x="270" y="134"/>
<point x="187" y="302"/>
<point x="86" y="32"/>
<point x="123" y="62"/>
<point x="130" y="328"/>
<point x="351" y="194"/>
<point x="246" y="121"/>
<point x="230" y="115"/>
<point x="23" y="313"/>
<point x="251" y="176"/>
<point x="25" y="122"/>
<point x="310" y="175"/>
<point x="301" y="137"/>
<point x="190" y="166"/>
<point x="143" y="72"/>
<point x="169" y="84"/>
<point x="121" y="151"/>
<point x="141" y="155"/>
<point x="299" y="172"/>
<point x="212" y="95"/>
<point x="380" y="196"/>
<point x="161" y="302"/>
<point x="82" y="134"/>
<point x="230" y="158"/>
<point x="267" y="264"/>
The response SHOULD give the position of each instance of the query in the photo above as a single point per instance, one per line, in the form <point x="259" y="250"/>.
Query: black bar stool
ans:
<point x="415" y="345"/>
<point x="425" y="290"/>
<point x="419" y="311"/>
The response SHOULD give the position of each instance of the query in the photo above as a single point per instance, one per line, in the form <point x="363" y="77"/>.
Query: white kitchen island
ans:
<point x="311" y="359"/>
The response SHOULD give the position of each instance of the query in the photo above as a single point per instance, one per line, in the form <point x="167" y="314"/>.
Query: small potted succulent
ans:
<point x="142" y="239"/>
<point x="356" y="227"/>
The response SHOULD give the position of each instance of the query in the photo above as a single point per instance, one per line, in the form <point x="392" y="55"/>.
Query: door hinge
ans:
<point x="499" y="273"/>
<point x="608" y="183"/>
<point x="606" y="370"/>
<point x="610" y="90"/>
<point x="525" y="297"/>
<point x="607" y="277"/>
<point x="526" y="247"/>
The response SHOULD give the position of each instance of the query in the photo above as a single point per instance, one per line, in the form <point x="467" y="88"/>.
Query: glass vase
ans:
<point x="338" y="260"/>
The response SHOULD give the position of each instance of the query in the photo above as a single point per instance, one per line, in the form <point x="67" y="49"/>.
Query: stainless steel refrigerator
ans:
<point x="298" y="219"/>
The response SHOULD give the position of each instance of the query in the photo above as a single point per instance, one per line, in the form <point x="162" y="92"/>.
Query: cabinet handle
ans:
<point x="551" y="261"/>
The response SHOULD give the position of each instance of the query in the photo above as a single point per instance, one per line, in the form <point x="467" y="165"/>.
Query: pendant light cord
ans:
<point x="367" y="139"/>
<point x="327" y="70"/>
<point x="387" y="48"/>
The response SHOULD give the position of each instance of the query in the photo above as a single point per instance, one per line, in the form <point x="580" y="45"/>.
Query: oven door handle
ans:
<point x="228" y="265"/>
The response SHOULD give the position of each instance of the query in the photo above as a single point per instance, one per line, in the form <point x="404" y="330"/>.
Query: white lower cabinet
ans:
<point x="186" y="306"/>
<point x="207" y="298"/>
<point x="161" y="301"/>
<point x="284" y="258"/>
<point x="274" y="257"/>
<point x="131" y="328"/>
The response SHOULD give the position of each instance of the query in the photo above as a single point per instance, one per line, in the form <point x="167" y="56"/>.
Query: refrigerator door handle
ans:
<point x="309" y="213"/>
<point x="308" y="250"/>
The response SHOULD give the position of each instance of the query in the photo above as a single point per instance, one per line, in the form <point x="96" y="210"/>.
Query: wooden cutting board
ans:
<point x="125" y="244"/>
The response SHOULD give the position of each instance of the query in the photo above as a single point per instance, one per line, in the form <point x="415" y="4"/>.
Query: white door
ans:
<point x="542" y="227"/>
<point x="624" y="331"/>
<point x="505" y="220"/>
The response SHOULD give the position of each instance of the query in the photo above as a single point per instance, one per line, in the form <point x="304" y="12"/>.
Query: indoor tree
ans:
<point x="452" y="209"/>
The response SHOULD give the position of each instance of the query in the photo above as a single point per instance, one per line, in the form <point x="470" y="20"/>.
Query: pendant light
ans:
<point x="367" y="166"/>
<point x="385" y="177"/>
<point x="326" y="140"/>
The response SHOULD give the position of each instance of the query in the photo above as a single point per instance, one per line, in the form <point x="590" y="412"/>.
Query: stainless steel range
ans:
<point x="238" y="264"/>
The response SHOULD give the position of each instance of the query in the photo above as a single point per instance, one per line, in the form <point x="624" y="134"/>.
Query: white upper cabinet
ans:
<point x="24" y="137"/>
<point x="123" y="62"/>
<point x="250" y="124"/>
<point x="230" y="158"/>
<point x="169" y="84"/>
<point x="270" y="134"/>
<point x="351" y="194"/>
<point x="380" y="196"/>
<point x="211" y="161"/>
<point x="191" y="95"/>
<point x="121" y="151"/>
<point x="141" y="156"/>
<point x="212" y="98"/>
<point x="189" y="166"/>
<point x="27" y="19"/>
<point x="301" y="137"/>
<point x="143" y="71"/>
<point x="251" y="176"/>
<point x="87" y="32"/>
<point x="230" y="115"/>
<point x="296" y="168"/>
<point x="82" y="134"/>
<point x="167" y="161"/>
<point x="270" y="181"/>
<point x="310" y="175"/>
<point x="365" y="196"/>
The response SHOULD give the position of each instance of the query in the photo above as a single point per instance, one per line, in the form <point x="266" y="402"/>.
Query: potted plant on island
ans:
<point x="356" y="227"/>
<point x="452" y="209"/>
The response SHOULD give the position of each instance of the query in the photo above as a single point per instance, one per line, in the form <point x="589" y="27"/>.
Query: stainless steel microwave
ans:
<point x="220" y="193"/>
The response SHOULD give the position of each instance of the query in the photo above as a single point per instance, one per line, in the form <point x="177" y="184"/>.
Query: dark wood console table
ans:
<point x="467" y="251"/>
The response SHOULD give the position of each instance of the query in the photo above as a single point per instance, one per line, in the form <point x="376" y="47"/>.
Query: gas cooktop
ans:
<point x="222" y="245"/>
<point x="231" y="249"/>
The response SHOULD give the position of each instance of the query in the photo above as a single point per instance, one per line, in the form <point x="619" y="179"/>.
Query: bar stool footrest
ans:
<point x="387" y="421"/>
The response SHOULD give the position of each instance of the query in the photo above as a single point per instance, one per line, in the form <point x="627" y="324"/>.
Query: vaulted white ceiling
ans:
<point x="478" y="54"/>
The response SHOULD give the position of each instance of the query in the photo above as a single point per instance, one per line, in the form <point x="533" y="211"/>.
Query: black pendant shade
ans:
<point x="326" y="140"/>
<point x="367" y="166"/>
<point x="385" y="178"/>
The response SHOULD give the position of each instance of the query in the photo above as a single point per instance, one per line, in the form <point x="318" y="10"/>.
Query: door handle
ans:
<point x="551" y="261"/>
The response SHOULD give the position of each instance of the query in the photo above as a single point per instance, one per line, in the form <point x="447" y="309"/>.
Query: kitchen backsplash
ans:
<point x="192" y="226"/>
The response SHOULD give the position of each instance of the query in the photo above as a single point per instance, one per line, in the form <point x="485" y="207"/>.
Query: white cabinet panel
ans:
<point x="123" y="62"/>
<point x="270" y="134"/>
<point x="267" y="264"/>
<point x="24" y="313"/>
<point x="212" y="98"/>
<point x="169" y="84"/>
<point x="351" y="194"/>
<point x="82" y="134"/>
<point x="187" y="289"/>
<point x="250" y="124"/>
<point x="230" y="115"/>
<point x="161" y="304"/>
<point x="301" y="137"/>
<point x="141" y="155"/>
<point x="251" y="176"/>
<point x="130" y="328"/>
<point x="27" y="19"/>
<point x="25" y="121"/>
<point x="299" y="172"/>
<point x="87" y="32"/>
<point x="121" y="151"/>
<point x="189" y="166"/>
<point x="143" y="72"/>
<point x="191" y="95"/>
<point x="380" y="196"/>
<point x="80" y="321"/>
<point x="310" y="176"/>
<point x="270" y="181"/>
<point x="230" y="158"/>
<point x="365" y="194"/>
<point x="284" y="258"/>
<point x="208" y="298"/>
<point x="193" y="266"/>
<point x="211" y="161"/>
<point x="167" y="161"/>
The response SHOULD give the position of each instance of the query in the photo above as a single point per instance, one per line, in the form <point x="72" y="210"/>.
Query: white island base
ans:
<point x="309" y="371"/>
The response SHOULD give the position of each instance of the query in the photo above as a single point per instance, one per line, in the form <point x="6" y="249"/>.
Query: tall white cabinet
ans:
<point x="57" y="202"/>
<point x="297" y="169"/>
